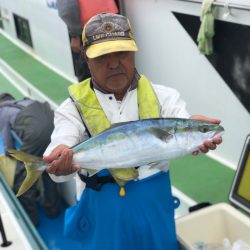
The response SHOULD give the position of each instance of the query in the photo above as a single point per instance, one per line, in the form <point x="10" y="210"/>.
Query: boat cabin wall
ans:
<point x="49" y="35"/>
<point x="169" y="56"/>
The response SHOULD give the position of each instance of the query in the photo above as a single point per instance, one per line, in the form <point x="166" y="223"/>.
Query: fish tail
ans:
<point x="34" y="168"/>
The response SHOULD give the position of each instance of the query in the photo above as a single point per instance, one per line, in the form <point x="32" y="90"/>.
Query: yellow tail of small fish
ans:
<point x="34" y="166"/>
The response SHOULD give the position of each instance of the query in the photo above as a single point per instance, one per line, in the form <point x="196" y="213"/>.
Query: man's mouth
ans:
<point x="116" y="74"/>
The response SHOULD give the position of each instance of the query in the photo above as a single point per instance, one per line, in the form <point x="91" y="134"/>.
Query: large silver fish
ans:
<point x="125" y="146"/>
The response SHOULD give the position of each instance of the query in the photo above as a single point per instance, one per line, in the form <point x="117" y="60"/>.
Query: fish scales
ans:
<point x="141" y="143"/>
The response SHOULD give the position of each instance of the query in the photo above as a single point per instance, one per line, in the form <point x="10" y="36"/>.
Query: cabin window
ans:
<point x="23" y="29"/>
<point x="1" y="19"/>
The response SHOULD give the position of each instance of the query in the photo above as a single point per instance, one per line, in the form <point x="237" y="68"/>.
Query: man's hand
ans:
<point x="60" y="161"/>
<point x="208" y="144"/>
<point x="75" y="44"/>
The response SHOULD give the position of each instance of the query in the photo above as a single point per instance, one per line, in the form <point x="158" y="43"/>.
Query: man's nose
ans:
<point x="113" y="60"/>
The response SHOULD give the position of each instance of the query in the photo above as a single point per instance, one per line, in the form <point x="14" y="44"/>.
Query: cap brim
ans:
<point x="103" y="48"/>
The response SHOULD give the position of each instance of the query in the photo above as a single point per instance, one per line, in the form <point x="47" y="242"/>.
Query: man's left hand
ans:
<point x="208" y="144"/>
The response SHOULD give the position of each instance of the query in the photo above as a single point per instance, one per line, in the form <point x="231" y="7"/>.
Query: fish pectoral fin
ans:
<point x="161" y="134"/>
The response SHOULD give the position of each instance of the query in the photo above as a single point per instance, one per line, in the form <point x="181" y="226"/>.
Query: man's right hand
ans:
<point x="75" y="44"/>
<point x="60" y="161"/>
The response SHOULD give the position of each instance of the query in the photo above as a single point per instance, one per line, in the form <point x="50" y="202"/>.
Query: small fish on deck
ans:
<point x="125" y="146"/>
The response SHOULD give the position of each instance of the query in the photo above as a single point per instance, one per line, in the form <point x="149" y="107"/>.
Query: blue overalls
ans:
<point x="142" y="219"/>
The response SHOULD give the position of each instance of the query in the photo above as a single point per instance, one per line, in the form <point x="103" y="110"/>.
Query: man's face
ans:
<point x="113" y="72"/>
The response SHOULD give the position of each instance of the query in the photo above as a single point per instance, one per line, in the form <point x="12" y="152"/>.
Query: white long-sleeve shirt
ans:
<point x="69" y="129"/>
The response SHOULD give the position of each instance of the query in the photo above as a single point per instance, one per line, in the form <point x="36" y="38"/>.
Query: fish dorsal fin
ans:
<point x="118" y="124"/>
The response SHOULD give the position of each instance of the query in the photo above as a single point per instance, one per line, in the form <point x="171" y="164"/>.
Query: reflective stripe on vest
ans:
<point x="92" y="113"/>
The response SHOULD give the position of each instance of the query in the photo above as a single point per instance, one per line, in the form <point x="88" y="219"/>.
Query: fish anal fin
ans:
<point x="158" y="164"/>
<point x="91" y="172"/>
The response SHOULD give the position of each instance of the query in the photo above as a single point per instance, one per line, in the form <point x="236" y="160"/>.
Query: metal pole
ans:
<point x="222" y="4"/>
<point x="5" y="241"/>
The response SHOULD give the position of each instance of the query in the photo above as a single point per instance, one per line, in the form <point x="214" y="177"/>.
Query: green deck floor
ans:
<point x="44" y="79"/>
<point x="6" y="86"/>
<point x="201" y="178"/>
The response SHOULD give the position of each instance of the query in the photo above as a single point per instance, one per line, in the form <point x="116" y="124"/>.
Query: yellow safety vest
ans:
<point x="94" y="117"/>
<point x="92" y="113"/>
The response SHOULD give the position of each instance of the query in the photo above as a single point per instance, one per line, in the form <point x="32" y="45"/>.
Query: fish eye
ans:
<point x="203" y="129"/>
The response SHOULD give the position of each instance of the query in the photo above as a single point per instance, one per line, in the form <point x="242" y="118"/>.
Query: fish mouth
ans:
<point x="220" y="131"/>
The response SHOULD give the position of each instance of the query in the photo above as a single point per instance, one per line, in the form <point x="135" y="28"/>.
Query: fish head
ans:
<point x="210" y="130"/>
<point x="188" y="134"/>
<point x="199" y="131"/>
<point x="186" y="131"/>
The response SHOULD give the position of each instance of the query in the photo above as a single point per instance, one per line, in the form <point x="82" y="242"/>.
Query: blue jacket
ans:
<point x="8" y="114"/>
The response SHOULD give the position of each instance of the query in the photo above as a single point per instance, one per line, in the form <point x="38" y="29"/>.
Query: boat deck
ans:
<point x="200" y="178"/>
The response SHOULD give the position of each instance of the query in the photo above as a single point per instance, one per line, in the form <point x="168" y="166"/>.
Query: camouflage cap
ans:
<point x="106" y="33"/>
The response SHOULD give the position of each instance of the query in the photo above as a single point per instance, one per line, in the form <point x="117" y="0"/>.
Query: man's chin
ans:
<point x="118" y="83"/>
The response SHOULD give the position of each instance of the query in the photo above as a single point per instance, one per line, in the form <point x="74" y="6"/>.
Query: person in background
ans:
<point x="32" y="122"/>
<point x="116" y="92"/>
<point x="69" y="12"/>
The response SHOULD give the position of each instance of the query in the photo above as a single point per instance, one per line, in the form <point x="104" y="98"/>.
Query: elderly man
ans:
<point x="116" y="92"/>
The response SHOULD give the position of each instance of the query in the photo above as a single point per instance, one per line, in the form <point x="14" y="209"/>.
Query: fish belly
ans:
<point x="132" y="151"/>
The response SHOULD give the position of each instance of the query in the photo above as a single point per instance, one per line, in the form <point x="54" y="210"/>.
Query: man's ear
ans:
<point x="84" y="54"/>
